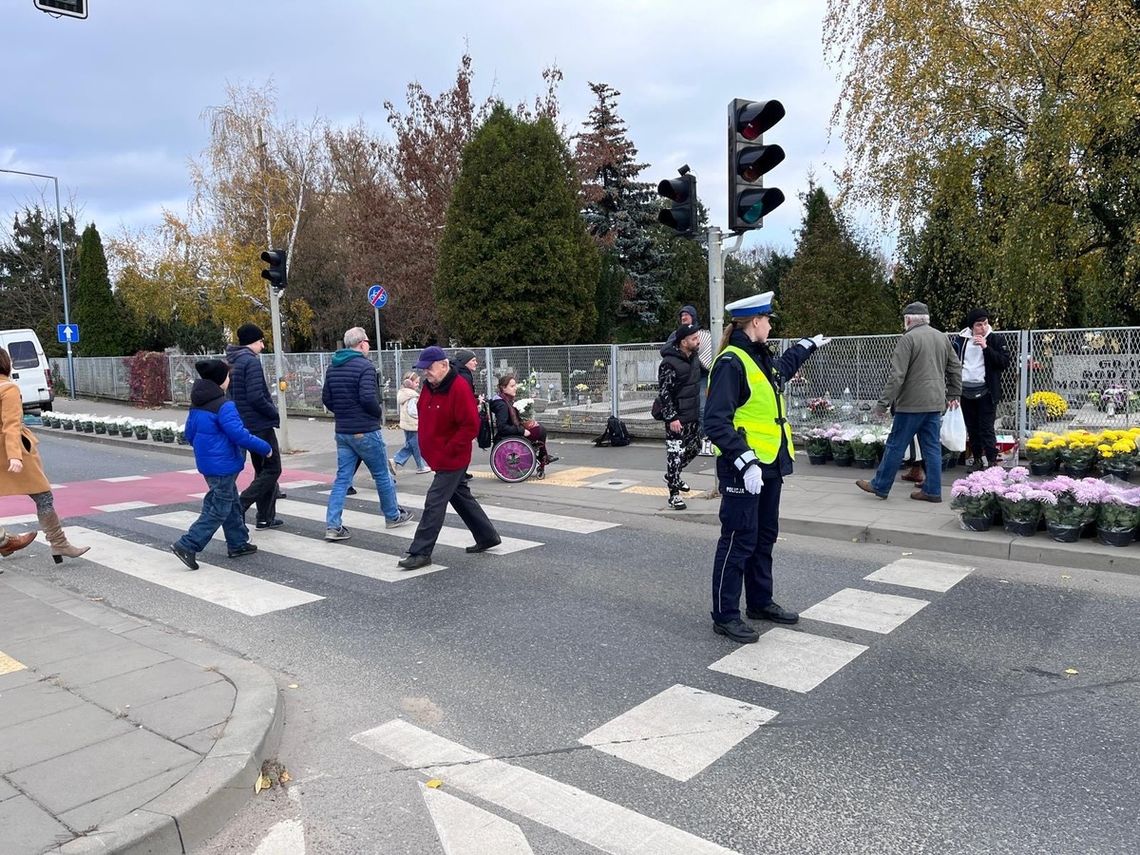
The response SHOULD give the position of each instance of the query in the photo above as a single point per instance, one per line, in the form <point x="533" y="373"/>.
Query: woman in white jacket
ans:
<point x="406" y="400"/>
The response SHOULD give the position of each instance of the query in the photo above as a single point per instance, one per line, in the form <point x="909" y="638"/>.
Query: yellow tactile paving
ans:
<point x="9" y="665"/>
<point x="642" y="490"/>
<point x="575" y="476"/>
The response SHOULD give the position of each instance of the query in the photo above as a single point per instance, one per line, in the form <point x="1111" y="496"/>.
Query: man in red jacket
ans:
<point x="449" y="420"/>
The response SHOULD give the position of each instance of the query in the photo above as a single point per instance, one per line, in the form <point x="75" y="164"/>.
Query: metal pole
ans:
<point x="379" y="340"/>
<point x="1025" y="345"/>
<point x="62" y="273"/>
<point x="614" y="379"/>
<point x="716" y="287"/>
<point x="279" y="367"/>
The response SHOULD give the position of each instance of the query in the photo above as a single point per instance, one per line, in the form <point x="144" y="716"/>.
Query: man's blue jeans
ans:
<point x="928" y="427"/>
<point x="369" y="448"/>
<point x="221" y="508"/>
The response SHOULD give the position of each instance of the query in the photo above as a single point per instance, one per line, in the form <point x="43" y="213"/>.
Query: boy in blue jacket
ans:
<point x="219" y="438"/>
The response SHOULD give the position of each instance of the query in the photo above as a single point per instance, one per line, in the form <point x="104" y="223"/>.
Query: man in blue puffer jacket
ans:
<point x="216" y="431"/>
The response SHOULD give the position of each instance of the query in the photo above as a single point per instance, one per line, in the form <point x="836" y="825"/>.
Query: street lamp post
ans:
<point x="62" y="274"/>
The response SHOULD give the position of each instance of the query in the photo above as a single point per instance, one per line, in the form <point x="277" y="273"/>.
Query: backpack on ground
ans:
<point x="615" y="434"/>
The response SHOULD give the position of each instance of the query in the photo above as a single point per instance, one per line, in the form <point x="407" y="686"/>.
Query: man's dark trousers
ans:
<point x="262" y="490"/>
<point x="979" y="415"/>
<point x="450" y="487"/>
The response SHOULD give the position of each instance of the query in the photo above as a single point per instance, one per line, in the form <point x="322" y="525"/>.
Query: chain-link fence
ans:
<point x="1056" y="380"/>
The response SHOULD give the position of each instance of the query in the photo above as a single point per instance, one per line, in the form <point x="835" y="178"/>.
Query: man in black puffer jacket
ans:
<point x="250" y="393"/>
<point x="679" y="382"/>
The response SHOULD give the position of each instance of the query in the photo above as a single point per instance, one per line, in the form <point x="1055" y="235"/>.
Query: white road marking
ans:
<point x="121" y="478"/>
<point x="236" y="591"/>
<point x="19" y="520"/>
<point x="188" y="471"/>
<point x="335" y="556"/>
<point x="284" y="838"/>
<point x="123" y="506"/>
<point x="868" y="610"/>
<point x="678" y="732"/>
<point x="927" y="575"/>
<point x="448" y="536"/>
<point x="798" y="661"/>
<point x="569" y="810"/>
<point x="538" y="519"/>
<point x="297" y="485"/>
<point x="465" y="829"/>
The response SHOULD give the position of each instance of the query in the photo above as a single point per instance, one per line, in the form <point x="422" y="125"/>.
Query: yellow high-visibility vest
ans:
<point x="763" y="415"/>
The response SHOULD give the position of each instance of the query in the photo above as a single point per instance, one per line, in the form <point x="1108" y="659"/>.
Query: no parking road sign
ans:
<point x="378" y="296"/>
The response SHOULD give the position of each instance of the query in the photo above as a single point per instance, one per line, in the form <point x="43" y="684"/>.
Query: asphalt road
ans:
<point x="1000" y="718"/>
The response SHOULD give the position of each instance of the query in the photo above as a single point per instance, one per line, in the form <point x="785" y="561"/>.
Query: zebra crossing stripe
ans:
<point x="448" y="536"/>
<point x="869" y="610"/>
<point x="585" y="817"/>
<point x="798" y="661"/>
<point x="927" y="575"/>
<point x="465" y="829"/>
<point x="531" y="518"/>
<point x="235" y="591"/>
<point x="335" y="556"/>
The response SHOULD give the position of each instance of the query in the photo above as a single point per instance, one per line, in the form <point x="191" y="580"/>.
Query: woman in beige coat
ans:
<point x="24" y="474"/>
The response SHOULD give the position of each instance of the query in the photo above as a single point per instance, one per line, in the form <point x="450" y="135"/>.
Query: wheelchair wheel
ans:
<point x="513" y="459"/>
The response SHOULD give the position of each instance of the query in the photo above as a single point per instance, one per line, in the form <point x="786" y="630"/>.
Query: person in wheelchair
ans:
<point x="508" y="421"/>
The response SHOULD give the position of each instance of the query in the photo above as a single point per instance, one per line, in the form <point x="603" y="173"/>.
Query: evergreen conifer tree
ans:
<point x="835" y="285"/>
<point x="94" y="307"/>
<point x="516" y="265"/>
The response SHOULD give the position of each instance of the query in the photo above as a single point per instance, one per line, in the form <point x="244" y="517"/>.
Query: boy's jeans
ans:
<point x="221" y="508"/>
<point x="370" y="448"/>
<point x="411" y="449"/>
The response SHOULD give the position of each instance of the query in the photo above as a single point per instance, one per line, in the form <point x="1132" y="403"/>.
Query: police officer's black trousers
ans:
<point x="749" y="525"/>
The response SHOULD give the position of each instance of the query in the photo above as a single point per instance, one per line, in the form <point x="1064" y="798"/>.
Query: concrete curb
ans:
<point x="103" y="439"/>
<point x="197" y="807"/>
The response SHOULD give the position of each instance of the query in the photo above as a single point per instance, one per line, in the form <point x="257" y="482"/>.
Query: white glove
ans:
<point x="753" y="480"/>
<point x="819" y="340"/>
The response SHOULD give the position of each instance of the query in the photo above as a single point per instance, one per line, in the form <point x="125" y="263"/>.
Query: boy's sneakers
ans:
<point x="404" y="518"/>
<point x="681" y="485"/>
<point x="351" y="490"/>
<point x="423" y="470"/>
<point x="244" y="549"/>
<point x="341" y="533"/>
<point x="276" y="522"/>
<point x="185" y="556"/>
<point x="676" y="502"/>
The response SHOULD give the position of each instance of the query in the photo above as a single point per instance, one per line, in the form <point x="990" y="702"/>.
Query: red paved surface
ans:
<point x="81" y="498"/>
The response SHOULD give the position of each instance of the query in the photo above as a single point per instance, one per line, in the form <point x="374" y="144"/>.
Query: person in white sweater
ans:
<point x="406" y="400"/>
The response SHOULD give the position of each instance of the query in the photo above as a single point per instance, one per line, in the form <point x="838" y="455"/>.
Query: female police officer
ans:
<point x="745" y="417"/>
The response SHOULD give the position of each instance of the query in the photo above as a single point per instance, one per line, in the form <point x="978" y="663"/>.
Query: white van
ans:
<point x="30" y="368"/>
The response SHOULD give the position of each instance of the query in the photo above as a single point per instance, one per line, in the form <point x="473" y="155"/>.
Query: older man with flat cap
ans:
<point x="925" y="379"/>
<point x="449" y="420"/>
<point x="746" y="419"/>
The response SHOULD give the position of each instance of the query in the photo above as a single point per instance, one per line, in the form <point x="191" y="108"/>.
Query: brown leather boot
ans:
<point x="12" y="542"/>
<point x="915" y="475"/>
<point x="53" y="531"/>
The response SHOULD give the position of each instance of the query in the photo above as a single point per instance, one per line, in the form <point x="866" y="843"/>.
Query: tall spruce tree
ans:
<point x="29" y="274"/>
<point x="94" y="307"/>
<point x="620" y="212"/>
<point x="835" y="285"/>
<point x="516" y="265"/>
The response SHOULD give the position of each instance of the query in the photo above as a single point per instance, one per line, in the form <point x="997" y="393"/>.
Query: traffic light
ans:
<point x="681" y="216"/>
<point x="277" y="274"/>
<point x="71" y="8"/>
<point x="749" y="201"/>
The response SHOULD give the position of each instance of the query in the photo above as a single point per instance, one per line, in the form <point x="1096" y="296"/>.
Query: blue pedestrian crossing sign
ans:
<point x="378" y="296"/>
<point x="67" y="333"/>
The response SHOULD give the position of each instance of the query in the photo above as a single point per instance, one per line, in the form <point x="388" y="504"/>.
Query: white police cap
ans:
<point x="758" y="304"/>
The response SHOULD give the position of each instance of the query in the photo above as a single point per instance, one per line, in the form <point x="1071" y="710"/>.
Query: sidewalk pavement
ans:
<point x="820" y="501"/>
<point x="119" y="736"/>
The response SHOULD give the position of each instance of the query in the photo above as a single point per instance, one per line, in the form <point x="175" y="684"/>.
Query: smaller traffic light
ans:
<point x="749" y="201"/>
<point x="277" y="274"/>
<point x="681" y="216"/>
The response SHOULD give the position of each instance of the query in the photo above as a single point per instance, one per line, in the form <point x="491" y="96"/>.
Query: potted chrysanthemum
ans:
<point x="975" y="498"/>
<point x="1022" y="504"/>
<point x="1118" y="516"/>
<point x="1043" y="450"/>
<point x="1075" y="508"/>
<point x="1078" y="453"/>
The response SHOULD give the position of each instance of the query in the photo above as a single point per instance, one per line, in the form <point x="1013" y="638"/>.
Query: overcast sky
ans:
<point x="112" y="105"/>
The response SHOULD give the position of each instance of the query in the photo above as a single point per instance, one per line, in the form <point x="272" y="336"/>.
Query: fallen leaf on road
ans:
<point x="434" y="783"/>
<point x="294" y="686"/>
<point x="1063" y="576"/>
<point x="285" y="776"/>
<point x="263" y="783"/>
<point x="1072" y="671"/>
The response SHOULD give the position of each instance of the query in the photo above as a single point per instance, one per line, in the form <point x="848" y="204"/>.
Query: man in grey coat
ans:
<point x="925" y="380"/>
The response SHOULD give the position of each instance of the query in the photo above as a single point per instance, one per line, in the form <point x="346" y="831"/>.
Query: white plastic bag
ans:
<point x="954" y="430"/>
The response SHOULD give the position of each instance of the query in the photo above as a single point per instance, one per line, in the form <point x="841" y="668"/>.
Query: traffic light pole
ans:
<point x="716" y="281"/>
<point x="279" y="367"/>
